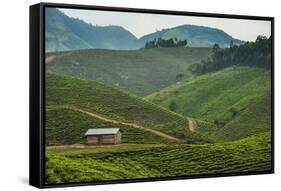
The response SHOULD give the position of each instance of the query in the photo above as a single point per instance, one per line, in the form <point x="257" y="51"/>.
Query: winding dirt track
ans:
<point x="158" y="133"/>
<point x="50" y="59"/>
<point x="191" y="124"/>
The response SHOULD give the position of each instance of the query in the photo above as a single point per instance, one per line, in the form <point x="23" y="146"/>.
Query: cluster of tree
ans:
<point x="256" y="53"/>
<point x="159" y="42"/>
<point x="172" y="106"/>
<point x="180" y="76"/>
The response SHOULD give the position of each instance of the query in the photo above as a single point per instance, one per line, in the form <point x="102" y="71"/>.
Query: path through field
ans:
<point x="192" y="124"/>
<point x="51" y="58"/>
<point x="158" y="133"/>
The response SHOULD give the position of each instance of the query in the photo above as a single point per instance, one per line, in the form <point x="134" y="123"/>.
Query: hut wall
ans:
<point x="118" y="138"/>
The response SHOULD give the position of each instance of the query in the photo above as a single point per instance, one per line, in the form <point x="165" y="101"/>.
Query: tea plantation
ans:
<point x="92" y="96"/>
<point x="235" y="102"/>
<point x="252" y="154"/>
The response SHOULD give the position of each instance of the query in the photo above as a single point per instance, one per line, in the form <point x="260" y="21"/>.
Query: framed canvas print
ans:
<point x="127" y="95"/>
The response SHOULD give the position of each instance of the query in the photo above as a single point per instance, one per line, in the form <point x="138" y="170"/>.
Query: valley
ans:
<point x="188" y="100"/>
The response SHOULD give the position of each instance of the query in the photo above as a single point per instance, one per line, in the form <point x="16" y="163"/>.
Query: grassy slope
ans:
<point x="65" y="126"/>
<point x="92" y="96"/>
<point x="237" y="97"/>
<point x="140" y="72"/>
<point x="252" y="119"/>
<point x="146" y="161"/>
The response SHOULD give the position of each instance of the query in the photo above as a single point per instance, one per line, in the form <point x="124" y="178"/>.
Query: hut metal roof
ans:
<point x="102" y="131"/>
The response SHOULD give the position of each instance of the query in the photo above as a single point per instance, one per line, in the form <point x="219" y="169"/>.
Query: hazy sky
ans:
<point x="141" y="24"/>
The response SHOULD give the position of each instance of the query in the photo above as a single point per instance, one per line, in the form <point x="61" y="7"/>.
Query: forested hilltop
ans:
<point x="169" y="43"/>
<point x="256" y="53"/>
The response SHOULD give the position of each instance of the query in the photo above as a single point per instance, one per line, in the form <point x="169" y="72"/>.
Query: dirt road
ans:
<point x="191" y="124"/>
<point x="158" y="133"/>
<point x="50" y="59"/>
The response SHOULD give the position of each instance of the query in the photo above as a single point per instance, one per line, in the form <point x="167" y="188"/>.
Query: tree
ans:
<point x="216" y="47"/>
<point x="169" y="43"/>
<point x="179" y="76"/>
<point x="233" y="111"/>
<point x="257" y="54"/>
<point x="231" y="44"/>
<point x="216" y="122"/>
<point x="261" y="38"/>
<point x="172" y="106"/>
<point x="181" y="43"/>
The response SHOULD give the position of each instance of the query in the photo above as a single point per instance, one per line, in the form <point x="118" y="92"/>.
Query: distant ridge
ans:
<point x="65" y="33"/>
<point x="196" y="36"/>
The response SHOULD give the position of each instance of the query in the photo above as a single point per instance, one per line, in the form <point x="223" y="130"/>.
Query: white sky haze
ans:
<point x="141" y="23"/>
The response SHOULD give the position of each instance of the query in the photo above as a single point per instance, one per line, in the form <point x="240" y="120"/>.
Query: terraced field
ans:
<point x="252" y="154"/>
<point x="110" y="103"/>
<point x="65" y="126"/>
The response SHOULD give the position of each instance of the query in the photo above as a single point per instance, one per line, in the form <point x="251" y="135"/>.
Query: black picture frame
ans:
<point x="37" y="91"/>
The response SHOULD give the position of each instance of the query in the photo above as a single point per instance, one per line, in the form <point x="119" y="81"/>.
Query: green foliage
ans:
<point x="145" y="161"/>
<point x="233" y="111"/>
<point x="173" y="106"/>
<point x="180" y="76"/>
<point x="162" y="43"/>
<point x="140" y="72"/>
<point x="239" y="96"/>
<point x="256" y="53"/>
<point x="92" y="96"/>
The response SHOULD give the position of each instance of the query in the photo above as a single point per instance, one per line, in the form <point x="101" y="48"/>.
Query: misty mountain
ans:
<point x="67" y="33"/>
<point x="196" y="36"/>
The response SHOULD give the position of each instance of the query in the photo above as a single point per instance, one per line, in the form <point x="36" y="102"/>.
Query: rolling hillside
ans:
<point x="149" y="161"/>
<point x="140" y="72"/>
<point x="236" y="100"/>
<point x="111" y="105"/>
<point x="183" y="108"/>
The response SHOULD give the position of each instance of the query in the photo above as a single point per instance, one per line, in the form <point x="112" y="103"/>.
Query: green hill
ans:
<point x="237" y="100"/>
<point x="149" y="161"/>
<point x="66" y="33"/>
<point x="140" y="72"/>
<point x="253" y="117"/>
<point x="109" y="103"/>
<point x="196" y="36"/>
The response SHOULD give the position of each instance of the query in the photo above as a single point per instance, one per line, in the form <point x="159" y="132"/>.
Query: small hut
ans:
<point x="103" y="136"/>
